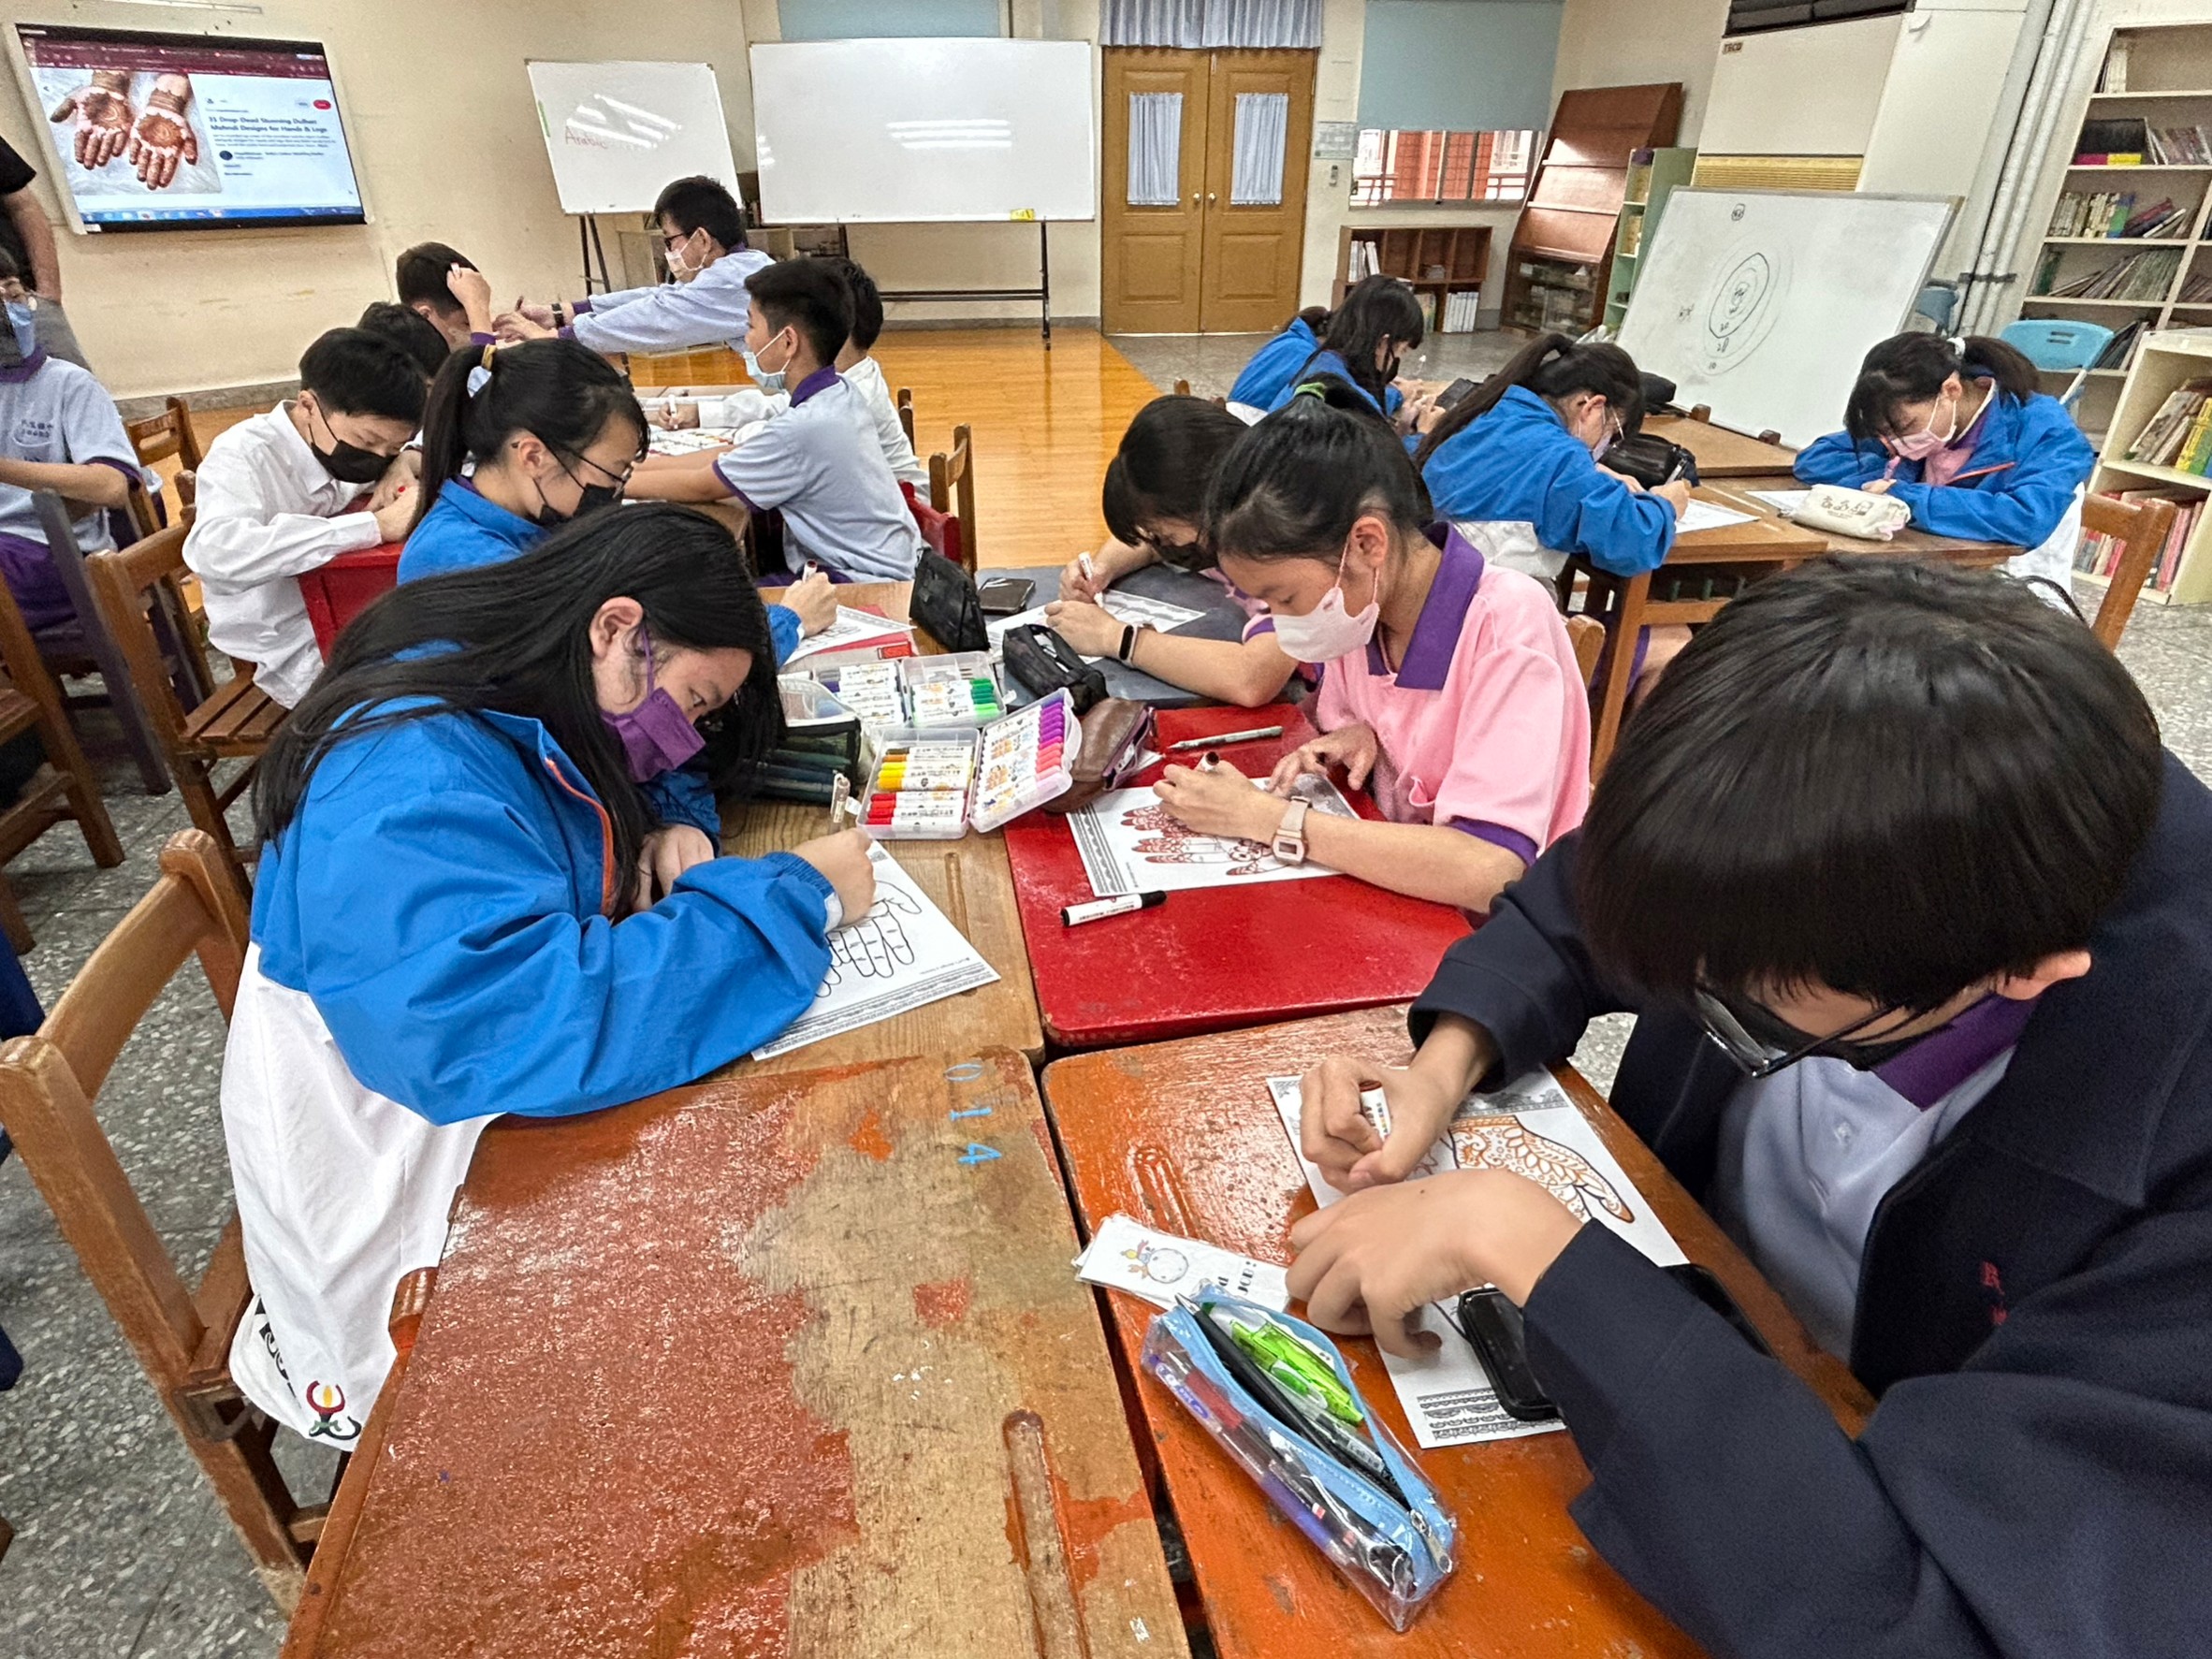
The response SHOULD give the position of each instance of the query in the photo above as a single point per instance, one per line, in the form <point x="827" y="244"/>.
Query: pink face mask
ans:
<point x="1918" y="446"/>
<point x="656" y="735"/>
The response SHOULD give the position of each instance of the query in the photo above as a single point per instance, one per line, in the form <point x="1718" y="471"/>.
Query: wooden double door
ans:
<point x="1220" y="252"/>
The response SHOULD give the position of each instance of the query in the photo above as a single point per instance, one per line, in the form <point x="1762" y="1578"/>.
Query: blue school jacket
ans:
<point x="1518" y="463"/>
<point x="2027" y="464"/>
<point x="442" y="898"/>
<point x="463" y="530"/>
<point x="1273" y="365"/>
<point x="2034" y="1314"/>
<point x="1326" y="362"/>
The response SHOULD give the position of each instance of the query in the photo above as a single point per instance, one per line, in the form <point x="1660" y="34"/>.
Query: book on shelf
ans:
<point x="2180" y="146"/>
<point x="2099" y="555"/>
<point x="1363" y="262"/>
<point x="2120" y="346"/>
<point x="2113" y="216"/>
<point x="1458" y="310"/>
<point x="2113" y="76"/>
<point x="2144" y="275"/>
<point x="2125" y="134"/>
<point x="2167" y="433"/>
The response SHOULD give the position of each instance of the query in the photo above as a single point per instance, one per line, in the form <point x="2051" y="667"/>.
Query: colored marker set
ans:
<point x="956" y="702"/>
<point x="938" y="789"/>
<point x="920" y="696"/>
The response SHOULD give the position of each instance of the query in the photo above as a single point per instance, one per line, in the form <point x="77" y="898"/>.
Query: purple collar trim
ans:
<point x="1929" y="1070"/>
<point x="819" y="381"/>
<point x="15" y="374"/>
<point x="1444" y="614"/>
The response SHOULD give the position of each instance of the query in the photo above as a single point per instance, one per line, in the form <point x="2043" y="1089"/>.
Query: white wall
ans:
<point x="1639" y="42"/>
<point x="445" y="134"/>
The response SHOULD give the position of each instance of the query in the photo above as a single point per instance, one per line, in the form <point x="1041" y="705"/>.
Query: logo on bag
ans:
<point x="327" y="1399"/>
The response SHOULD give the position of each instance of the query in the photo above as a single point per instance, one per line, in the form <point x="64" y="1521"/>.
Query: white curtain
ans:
<point x="1264" y="129"/>
<point x="1195" y="23"/>
<point x="1156" y="149"/>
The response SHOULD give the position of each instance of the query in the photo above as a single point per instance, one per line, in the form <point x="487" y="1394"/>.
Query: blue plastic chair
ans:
<point x="2057" y="343"/>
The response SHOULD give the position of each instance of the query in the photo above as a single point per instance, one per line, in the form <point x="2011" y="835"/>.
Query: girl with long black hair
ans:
<point x="464" y="909"/>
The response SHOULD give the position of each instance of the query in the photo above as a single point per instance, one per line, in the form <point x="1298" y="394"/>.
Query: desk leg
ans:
<point x="1628" y="617"/>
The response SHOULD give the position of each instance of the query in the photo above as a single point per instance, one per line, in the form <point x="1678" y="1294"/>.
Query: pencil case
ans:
<point x="1115" y="734"/>
<point x="1852" y="513"/>
<point x="1364" y="1503"/>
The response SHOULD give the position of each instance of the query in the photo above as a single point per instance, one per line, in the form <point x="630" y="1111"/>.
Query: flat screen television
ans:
<point x="152" y="131"/>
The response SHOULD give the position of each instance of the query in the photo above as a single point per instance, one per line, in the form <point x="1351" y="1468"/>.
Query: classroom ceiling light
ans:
<point x="985" y="133"/>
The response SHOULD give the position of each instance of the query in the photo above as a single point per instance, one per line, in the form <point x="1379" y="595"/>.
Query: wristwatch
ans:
<point x="1129" y="640"/>
<point x="1289" y="843"/>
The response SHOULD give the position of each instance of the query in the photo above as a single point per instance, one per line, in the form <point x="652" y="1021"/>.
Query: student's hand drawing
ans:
<point x="1347" y="1142"/>
<point x="1355" y="748"/>
<point x="844" y="863"/>
<point x="1676" y="494"/>
<point x="104" y="115"/>
<point x="1090" y="627"/>
<point x="163" y="137"/>
<point x="1221" y="802"/>
<point x="814" y="599"/>
<point x="666" y="854"/>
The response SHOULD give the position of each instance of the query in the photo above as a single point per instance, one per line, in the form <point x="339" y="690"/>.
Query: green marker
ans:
<point x="1295" y="1366"/>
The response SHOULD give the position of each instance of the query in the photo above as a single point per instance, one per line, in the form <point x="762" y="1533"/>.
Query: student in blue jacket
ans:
<point x="1955" y="430"/>
<point x="1515" y="463"/>
<point x="1363" y="343"/>
<point x="1274" y="365"/>
<point x="464" y="909"/>
<point x="1916" y="918"/>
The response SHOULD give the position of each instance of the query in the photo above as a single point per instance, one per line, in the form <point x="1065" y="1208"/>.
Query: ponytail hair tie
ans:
<point x="1958" y="344"/>
<point x="480" y="376"/>
<point x="1313" y="389"/>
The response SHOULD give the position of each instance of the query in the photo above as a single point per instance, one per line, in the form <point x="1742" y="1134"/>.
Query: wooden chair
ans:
<point x="906" y="414"/>
<point x="132" y="585"/>
<point x="169" y="433"/>
<point x="48" y="1083"/>
<point x="62" y="789"/>
<point x="1182" y="388"/>
<point x="1587" y="635"/>
<point x="84" y="645"/>
<point x="2141" y="528"/>
<point x="951" y="489"/>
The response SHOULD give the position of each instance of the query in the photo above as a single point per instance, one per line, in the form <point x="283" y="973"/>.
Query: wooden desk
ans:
<point x="1721" y="453"/>
<point x="1703" y="571"/>
<point x="1215" y="959"/>
<point x="764" y="1365"/>
<point x="1913" y="544"/>
<point x="1183" y="1135"/>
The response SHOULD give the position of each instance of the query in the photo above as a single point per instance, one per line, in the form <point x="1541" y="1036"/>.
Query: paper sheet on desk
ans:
<point x="1125" y="607"/>
<point x="849" y="629"/>
<point x="693" y="439"/>
<point x="1706" y="515"/>
<point x="1130" y="843"/>
<point x="902" y="954"/>
<point x="1532" y="1128"/>
<point x="1126" y="1255"/>
<point x="1784" y="502"/>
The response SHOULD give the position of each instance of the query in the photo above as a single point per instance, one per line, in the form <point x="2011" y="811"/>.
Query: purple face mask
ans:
<point x="656" y="736"/>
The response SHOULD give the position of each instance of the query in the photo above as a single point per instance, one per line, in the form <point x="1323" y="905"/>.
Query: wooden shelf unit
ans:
<point x="2169" y="70"/>
<point x="2164" y="361"/>
<point x="1434" y="261"/>
<point x="1654" y="175"/>
<point x="1559" y="268"/>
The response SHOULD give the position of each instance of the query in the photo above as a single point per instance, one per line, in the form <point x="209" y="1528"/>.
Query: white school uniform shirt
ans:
<point x="710" y="309"/>
<point x="268" y="513"/>
<point x="819" y="463"/>
<point x="53" y="412"/>
<point x="866" y="378"/>
<point x="342" y="1193"/>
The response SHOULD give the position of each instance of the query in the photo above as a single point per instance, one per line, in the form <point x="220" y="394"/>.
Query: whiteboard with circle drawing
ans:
<point x="1762" y="303"/>
<point x="615" y="133"/>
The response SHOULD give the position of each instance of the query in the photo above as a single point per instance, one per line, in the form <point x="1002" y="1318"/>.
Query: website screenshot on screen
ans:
<point x="172" y="132"/>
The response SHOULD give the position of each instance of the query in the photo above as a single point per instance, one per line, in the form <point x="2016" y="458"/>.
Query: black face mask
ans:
<point x="349" y="463"/>
<point x="596" y="497"/>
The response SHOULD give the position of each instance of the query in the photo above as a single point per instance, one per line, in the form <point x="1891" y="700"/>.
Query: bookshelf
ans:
<point x="1436" y="261"/>
<point x="2155" y="79"/>
<point x="2165" y="362"/>
<point x="1654" y="175"/>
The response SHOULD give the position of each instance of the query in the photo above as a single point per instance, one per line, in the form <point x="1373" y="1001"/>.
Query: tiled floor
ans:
<point x="120" y="1552"/>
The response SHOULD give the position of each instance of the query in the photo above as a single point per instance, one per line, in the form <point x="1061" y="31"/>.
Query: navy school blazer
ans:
<point x="2034" y="1314"/>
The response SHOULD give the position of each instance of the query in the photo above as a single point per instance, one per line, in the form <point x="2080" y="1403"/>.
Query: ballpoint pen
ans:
<point x="1225" y="738"/>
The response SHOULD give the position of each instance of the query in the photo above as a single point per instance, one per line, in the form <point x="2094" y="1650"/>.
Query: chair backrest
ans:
<point x="1587" y="635"/>
<point x="1182" y="388"/>
<point x="951" y="489"/>
<point x="169" y="433"/>
<point x="941" y="531"/>
<point x="906" y="414"/>
<point x="2142" y="528"/>
<point x="48" y="1082"/>
<point x="188" y="493"/>
<point x="126" y="586"/>
<point x="2057" y="342"/>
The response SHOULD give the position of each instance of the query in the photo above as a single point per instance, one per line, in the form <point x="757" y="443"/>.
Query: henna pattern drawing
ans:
<point x="876" y="947"/>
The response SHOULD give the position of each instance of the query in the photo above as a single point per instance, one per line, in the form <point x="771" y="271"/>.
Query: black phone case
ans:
<point x="1492" y="1328"/>
<point x="1011" y="598"/>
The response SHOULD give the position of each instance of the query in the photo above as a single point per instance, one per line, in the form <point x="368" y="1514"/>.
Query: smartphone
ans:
<point x="1454" y="392"/>
<point x="1005" y="596"/>
<point x="1492" y="1327"/>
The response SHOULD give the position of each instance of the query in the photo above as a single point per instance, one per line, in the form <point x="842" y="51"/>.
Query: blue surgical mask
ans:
<point x="22" y="318"/>
<point x="770" y="384"/>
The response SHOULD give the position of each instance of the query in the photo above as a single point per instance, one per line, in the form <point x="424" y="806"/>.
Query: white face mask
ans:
<point x="769" y="380"/>
<point x="1328" y="631"/>
<point x="682" y="270"/>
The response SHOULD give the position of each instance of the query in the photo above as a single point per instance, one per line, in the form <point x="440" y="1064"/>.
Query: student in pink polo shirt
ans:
<point x="1449" y="687"/>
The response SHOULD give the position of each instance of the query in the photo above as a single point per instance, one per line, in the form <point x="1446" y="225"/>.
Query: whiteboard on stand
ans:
<point x="905" y="131"/>
<point x="1762" y="303"/>
<point x="616" y="133"/>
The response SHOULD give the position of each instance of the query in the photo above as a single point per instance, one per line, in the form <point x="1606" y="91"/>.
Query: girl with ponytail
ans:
<point x="1955" y="430"/>
<point x="1274" y="365"/>
<point x="1450" y="691"/>
<point x="1363" y="343"/>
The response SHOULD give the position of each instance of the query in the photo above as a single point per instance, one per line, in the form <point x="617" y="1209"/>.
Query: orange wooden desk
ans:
<point x="772" y="1364"/>
<point x="1721" y="452"/>
<point x="1915" y="544"/>
<point x="1183" y="1135"/>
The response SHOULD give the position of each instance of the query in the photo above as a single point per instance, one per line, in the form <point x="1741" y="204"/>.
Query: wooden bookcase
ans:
<point x="1559" y="268"/>
<point x="1434" y="261"/>
<point x="1654" y="175"/>
<point x="2163" y="362"/>
<point x="2166" y="76"/>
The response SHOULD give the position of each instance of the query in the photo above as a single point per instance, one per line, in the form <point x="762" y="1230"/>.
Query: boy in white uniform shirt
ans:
<point x="274" y="493"/>
<point x="59" y="430"/>
<point x="702" y="229"/>
<point x="819" y="461"/>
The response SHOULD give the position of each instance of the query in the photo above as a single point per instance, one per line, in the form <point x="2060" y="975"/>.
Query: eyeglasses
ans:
<point x="1758" y="1056"/>
<point x="1188" y="555"/>
<point x="621" y="480"/>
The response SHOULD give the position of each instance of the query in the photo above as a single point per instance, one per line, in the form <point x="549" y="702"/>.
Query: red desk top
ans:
<point x="1168" y="971"/>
